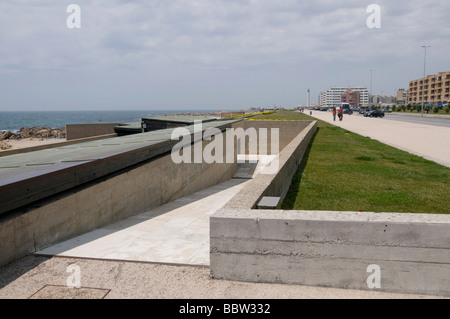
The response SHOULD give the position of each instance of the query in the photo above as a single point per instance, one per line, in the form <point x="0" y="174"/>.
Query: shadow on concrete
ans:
<point x="16" y="269"/>
<point x="246" y="170"/>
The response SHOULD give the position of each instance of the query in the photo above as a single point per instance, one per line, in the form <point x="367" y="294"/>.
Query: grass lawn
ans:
<point x="344" y="171"/>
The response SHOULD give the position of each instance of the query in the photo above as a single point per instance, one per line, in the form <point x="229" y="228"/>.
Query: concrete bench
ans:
<point x="268" y="202"/>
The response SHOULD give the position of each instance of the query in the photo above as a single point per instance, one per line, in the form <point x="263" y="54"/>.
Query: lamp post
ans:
<point x="423" y="80"/>
<point x="370" y="94"/>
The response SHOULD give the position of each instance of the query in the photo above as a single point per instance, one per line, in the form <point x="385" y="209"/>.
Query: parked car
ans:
<point x="374" y="113"/>
<point x="387" y="111"/>
<point x="346" y="109"/>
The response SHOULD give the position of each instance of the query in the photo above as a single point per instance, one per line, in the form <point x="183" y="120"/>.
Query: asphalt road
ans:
<point x="418" y="119"/>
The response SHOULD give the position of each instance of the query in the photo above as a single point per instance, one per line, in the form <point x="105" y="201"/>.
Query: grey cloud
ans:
<point x="225" y="38"/>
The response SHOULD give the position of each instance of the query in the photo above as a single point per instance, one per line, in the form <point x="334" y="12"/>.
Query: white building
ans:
<point x="332" y="97"/>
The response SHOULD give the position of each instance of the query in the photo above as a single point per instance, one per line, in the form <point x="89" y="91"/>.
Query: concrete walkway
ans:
<point x="428" y="141"/>
<point x="174" y="233"/>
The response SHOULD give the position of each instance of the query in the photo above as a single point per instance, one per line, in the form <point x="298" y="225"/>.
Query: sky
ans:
<point x="211" y="54"/>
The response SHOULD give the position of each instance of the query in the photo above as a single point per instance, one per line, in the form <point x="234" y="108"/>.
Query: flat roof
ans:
<point x="188" y="119"/>
<point x="28" y="177"/>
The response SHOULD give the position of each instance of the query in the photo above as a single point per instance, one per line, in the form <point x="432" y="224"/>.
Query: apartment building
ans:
<point x="332" y="97"/>
<point x="402" y="95"/>
<point x="351" y="97"/>
<point x="433" y="88"/>
<point x="382" y="99"/>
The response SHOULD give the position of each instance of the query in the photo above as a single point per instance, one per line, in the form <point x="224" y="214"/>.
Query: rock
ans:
<point x="34" y="132"/>
<point x="41" y="132"/>
<point x="4" y="146"/>
<point x="5" y="135"/>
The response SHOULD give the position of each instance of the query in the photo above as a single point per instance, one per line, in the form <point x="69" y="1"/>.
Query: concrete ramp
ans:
<point x="174" y="233"/>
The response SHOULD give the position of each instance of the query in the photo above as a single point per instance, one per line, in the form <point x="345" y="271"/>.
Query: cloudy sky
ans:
<point x="211" y="54"/>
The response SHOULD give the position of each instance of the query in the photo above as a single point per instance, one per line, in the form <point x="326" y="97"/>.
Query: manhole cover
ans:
<point x="63" y="292"/>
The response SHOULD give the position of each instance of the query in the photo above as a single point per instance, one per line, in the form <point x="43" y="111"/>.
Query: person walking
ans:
<point x="334" y="114"/>
<point x="340" y="114"/>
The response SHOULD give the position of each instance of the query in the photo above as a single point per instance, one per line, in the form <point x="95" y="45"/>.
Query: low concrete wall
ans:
<point x="288" y="130"/>
<point x="104" y="201"/>
<point x="76" y="131"/>
<point x="404" y="253"/>
<point x="277" y="182"/>
<point x="391" y="252"/>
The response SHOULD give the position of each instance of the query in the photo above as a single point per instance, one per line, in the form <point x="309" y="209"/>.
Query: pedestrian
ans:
<point x="334" y="114"/>
<point x="340" y="114"/>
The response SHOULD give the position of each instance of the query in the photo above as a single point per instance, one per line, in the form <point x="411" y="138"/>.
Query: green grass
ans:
<point x="249" y="115"/>
<point x="344" y="171"/>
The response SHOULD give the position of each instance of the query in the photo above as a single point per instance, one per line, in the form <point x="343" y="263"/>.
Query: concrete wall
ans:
<point x="391" y="252"/>
<point x="76" y="131"/>
<point x="277" y="183"/>
<point x="333" y="249"/>
<point x="288" y="130"/>
<point x="105" y="201"/>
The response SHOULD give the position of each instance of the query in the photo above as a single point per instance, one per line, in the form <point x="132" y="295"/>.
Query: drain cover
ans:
<point x="63" y="292"/>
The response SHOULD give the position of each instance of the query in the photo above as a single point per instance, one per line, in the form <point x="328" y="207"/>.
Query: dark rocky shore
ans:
<point x="39" y="133"/>
<point x="34" y="132"/>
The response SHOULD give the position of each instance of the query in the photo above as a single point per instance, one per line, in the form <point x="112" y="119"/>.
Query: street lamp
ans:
<point x="423" y="80"/>
<point x="370" y="94"/>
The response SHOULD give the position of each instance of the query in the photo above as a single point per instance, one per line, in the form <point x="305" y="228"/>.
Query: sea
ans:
<point x="14" y="121"/>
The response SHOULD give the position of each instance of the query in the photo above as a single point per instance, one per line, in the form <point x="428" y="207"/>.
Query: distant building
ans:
<point x="434" y="88"/>
<point x="402" y="95"/>
<point x="351" y="97"/>
<point x="382" y="99"/>
<point x="332" y="97"/>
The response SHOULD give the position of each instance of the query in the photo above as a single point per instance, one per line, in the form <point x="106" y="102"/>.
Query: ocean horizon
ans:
<point x="14" y="120"/>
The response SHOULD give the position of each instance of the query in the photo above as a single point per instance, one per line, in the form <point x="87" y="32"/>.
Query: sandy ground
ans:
<point x="41" y="277"/>
<point x="30" y="142"/>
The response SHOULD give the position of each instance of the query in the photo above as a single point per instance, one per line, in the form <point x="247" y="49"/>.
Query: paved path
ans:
<point x="428" y="141"/>
<point x="174" y="233"/>
<point x="42" y="277"/>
